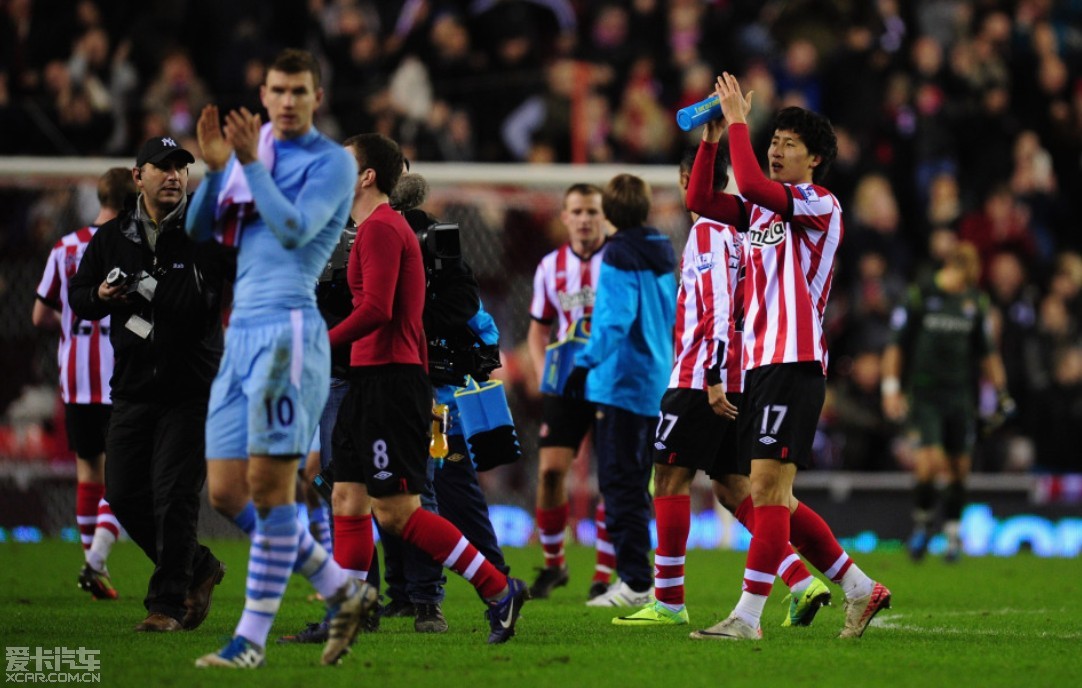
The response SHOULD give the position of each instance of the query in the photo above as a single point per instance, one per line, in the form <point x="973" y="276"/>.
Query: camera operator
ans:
<point x="164" y="293"/>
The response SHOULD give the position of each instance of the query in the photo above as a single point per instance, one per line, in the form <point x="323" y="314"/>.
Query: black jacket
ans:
<point x="180" y="357"/>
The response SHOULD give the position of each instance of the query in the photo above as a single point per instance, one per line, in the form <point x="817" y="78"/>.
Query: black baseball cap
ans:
<point x="159" y="148"/>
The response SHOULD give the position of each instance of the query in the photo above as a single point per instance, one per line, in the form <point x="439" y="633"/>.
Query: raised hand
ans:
<point x="734" y="104"/>
<point x="242" y="132"/>
<point x="713" y="130"/>
<point x="216" y="150"/>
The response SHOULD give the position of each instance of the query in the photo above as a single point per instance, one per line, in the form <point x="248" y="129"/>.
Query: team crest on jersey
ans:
<point x="71" y="264"/>
<point x="807" y="192"/>
<point x="704" y="262"/>
<point x="773" y="235"/>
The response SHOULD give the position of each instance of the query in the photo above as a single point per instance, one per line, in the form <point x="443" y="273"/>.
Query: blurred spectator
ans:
<point x="863" y="433"/>
<point x="177" y="94"/>
<point x="1000" y="224"/>
<point x="1059" y="407"/>
<point x="1015" y="299"/>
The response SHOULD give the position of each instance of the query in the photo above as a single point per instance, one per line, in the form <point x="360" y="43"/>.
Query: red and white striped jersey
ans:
<point x="790" y="267"/>
<point x="85" y="354"/>
<point x="564" y="287"/>
<point x="706" y="332"/>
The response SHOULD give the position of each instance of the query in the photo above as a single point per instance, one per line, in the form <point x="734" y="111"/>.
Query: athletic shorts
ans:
<point x="945" y="419"/>
<point x="271" y="386"/>
<point x="383" y="429"/>
<point x="86" y="425"/>
<point x="689" y="434"/>
<point x="564" y="422"/>
<point x="782" y="403"/>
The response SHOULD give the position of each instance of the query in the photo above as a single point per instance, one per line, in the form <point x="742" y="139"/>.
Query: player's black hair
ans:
<point x="815" y="131"/>
<point x="721" y="165"/>
<point x="379" y="153"/>
<point x="295" y="61"/>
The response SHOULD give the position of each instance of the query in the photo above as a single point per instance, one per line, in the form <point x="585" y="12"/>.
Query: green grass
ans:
<point x="988" y="621"/>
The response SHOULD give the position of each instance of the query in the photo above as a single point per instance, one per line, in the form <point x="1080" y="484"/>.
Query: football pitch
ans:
<point x="981" y="622"/>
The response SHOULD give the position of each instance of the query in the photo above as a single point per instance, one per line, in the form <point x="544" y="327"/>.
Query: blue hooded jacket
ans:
<point x="630" y="351"/>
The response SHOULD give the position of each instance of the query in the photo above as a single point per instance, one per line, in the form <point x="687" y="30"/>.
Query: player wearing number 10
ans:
<point x="282" y="194"/>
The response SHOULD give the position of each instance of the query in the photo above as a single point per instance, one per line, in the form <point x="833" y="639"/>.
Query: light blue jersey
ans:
<point x="273" y="380"/>
<point x="303" y="207"/>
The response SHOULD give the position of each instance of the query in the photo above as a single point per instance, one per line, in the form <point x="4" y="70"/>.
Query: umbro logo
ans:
<point x="767" y="440"/>
<point x="166" y="141"/>
<point x="382" y="475"/>
<point x="659" y="445"/>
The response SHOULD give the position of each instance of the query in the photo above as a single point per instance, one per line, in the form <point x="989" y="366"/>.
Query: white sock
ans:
<point x="855" y="583"/>
<point x="750" y="608"/>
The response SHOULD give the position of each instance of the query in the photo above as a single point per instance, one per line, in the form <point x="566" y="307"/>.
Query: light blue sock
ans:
<point x="270" y="563"/>
<point x="245" y="520"/>
<point x="322" y="527"/>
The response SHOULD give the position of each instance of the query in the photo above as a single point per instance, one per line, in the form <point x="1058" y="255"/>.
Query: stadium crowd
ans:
<point x="955" y="119"/>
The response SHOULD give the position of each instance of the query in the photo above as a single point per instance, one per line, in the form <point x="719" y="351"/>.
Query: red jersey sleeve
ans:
<point x="374" y="263"/>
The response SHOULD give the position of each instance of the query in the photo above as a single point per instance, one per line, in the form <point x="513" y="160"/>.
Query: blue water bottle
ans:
<point x="700" y="113"/>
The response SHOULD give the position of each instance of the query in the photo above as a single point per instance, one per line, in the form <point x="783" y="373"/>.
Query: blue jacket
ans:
<point x="629" y="354"/>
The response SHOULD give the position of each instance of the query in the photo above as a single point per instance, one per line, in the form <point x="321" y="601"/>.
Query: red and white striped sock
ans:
<point x="436" y="536"/>
<point x="769" y="542"/>
<point x="353" y="544"/>
<point x="792" y="570"/>
<point x="673" y="526"/>
<point x="106" y="533"/>
<point x="813" y="538"/>
<point x="551" y="524"/>
<point x="605" y="562"/>
<point x="87" y="498"/>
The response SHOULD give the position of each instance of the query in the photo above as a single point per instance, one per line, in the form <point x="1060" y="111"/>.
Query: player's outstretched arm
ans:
<point x="750" y="180"/>
<point x="329" y="183"/>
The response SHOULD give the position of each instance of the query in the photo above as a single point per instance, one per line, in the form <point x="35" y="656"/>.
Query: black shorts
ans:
<point x="782" y="404"/>
<point x="383" y="429"/>
<point x="564" y="422"/>
<point x="689" y="434"/>
<point x="86" y="425"/>
<point x="944" y="419"/>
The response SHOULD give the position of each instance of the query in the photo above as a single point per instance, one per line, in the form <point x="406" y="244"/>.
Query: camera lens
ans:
<point x="115" y="277"/>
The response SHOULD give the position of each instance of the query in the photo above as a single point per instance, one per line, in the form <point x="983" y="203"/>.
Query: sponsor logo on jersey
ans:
<point x="382" y="475"/>
<point x="773" y="235"/>
<point x="583" y="298"/>
<point x="767" y="440"/>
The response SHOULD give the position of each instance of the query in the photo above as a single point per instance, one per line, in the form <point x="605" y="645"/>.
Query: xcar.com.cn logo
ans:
<point x="52" y="665"/>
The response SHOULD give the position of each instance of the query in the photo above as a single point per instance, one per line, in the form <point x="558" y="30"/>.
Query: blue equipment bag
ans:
<point x="560" y="357"/>
<point x="487" y="424"/>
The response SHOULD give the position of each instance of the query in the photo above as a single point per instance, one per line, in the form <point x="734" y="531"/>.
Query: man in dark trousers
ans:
<point x="163" y="292"/>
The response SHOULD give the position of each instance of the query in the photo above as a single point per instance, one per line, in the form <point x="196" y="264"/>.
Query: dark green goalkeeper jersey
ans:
<point x="943" y="337"/>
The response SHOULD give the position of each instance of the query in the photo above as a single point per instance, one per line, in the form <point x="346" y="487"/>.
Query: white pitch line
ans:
<point x="1006" y="611"/>
<point x="889" y="623"/>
